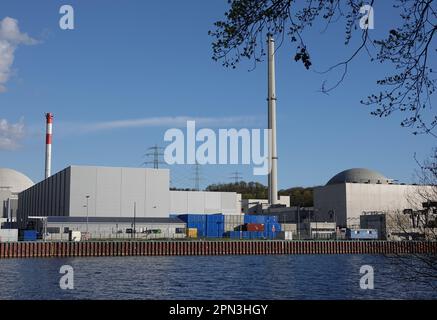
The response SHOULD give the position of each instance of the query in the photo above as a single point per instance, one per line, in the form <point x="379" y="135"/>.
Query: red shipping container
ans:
<point x="254" y="227"/>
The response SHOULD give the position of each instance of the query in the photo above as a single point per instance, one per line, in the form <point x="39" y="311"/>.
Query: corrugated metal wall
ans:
<point x="113" y="191"/>
<point x="49" y="197"/>
<point x="203" y="202"/>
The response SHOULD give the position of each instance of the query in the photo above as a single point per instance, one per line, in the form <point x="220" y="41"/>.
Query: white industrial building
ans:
<point x="88" y="191"/>
<point x="58" y="228"/>
<point x="354" y="192"/>
<point x="205" y="202"/>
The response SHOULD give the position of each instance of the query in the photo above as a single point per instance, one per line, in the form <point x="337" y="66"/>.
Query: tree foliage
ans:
<point x="419" y="267"/>
<point x="408" y="47"/>
<point x="299" y="196"/>
<point x="248" y="190"/>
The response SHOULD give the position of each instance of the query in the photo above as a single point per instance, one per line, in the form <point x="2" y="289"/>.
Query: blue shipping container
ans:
<point x="263" y="219"/>
<point x="215" y="226"/>
<point x="246" y="235"/>
<point x="271" y="219"/>
<point x="271" y="235"/>
<point x="210" y="226"/>
<point x="29" y="235"/>
<point x="239" y="235"/>
<point x="256" y="235"/>
<point x="271" y="229"/>
<point x="254" y="219"/>
<point x="234" y="234"/>
<point x="197" y="221"/>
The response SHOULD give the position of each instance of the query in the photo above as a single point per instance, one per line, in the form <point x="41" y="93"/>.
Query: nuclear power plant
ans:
<point x="120" y="202"/>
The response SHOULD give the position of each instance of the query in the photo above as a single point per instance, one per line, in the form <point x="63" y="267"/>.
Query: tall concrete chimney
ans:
<point x="273" y="157"/>
<point x="49" y="122"/>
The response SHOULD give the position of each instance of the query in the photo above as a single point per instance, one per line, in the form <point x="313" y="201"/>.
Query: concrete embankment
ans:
<point x="183" y="248"/>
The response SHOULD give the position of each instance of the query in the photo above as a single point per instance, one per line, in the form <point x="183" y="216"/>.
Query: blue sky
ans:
<point x="130" y="60"/>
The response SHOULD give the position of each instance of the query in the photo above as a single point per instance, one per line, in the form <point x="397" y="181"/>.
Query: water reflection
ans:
<point x="215" y="277"/>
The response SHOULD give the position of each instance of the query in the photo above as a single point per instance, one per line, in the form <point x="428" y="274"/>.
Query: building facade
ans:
<point x="113" y="192"/>
<point x="99" y="192"/>
<point x="11" y="184"/>
<point x="59" y="228"/>
<point x="351" y="193"/>
<point x="205" y="202"/>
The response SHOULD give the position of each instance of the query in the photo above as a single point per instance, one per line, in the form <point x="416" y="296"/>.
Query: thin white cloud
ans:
<point x="169" y="122"/>
<point x="10" y="39"/>
<point x="11" y="134"/>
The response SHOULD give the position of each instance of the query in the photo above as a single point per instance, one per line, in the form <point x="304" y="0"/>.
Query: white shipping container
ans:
<point x="75" y="236"/>
<point x="8" y="235"/>
<point x="285" y="235"/>
<point x="289" y="227"/>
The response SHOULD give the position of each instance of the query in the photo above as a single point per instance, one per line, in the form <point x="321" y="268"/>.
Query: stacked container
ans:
<point x="215" y="226"/>
<point x="232" y="222"/>
<point x="271" y="225"/>
<point x="292" y="227"/>
<point x="239" y="235"/>
<point x="256" y="235"/>
<point x="255" y="219"/>
<point x="195" y="221"/>
<point x="207" y="225"/>
<point x="246" y="235"/>
<point x="254" y="227"/>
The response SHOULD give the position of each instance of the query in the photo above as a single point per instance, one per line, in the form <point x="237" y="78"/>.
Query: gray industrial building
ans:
<point x="106" y="201"/>
<point x="205" y="202"/>
<point x="79" y="191"/>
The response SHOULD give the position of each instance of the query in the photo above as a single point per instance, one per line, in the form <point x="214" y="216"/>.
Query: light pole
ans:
<point x="134" y="224"/>
<point x="335" y="222"/>
<point x="298" y="220"/>
<point x="87" y="198"/>
<point x="309" y="225"/>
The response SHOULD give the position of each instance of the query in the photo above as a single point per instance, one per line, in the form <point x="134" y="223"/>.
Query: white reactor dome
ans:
<point x="14" y="181"/>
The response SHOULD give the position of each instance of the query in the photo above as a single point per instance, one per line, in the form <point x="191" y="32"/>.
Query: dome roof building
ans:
<point x="13" y="181"/>
<point x="352" y="195"/>
<point x="359" y="175"/>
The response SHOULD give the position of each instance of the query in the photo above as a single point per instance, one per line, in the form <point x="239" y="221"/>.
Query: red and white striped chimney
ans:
<point x="49" y="122"/>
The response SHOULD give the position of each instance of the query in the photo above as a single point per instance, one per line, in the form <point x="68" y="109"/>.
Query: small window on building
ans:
<point x="66" y="230"/>
<point x="53" y="230"/>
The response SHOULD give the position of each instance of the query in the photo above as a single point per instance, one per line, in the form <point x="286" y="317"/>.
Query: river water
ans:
<point x="209" y="277"/>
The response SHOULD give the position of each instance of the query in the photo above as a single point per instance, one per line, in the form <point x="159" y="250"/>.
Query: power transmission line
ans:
<point x="197" y="177"/>
<point x="236" y="176"/>
<point x="155" y="153"/>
